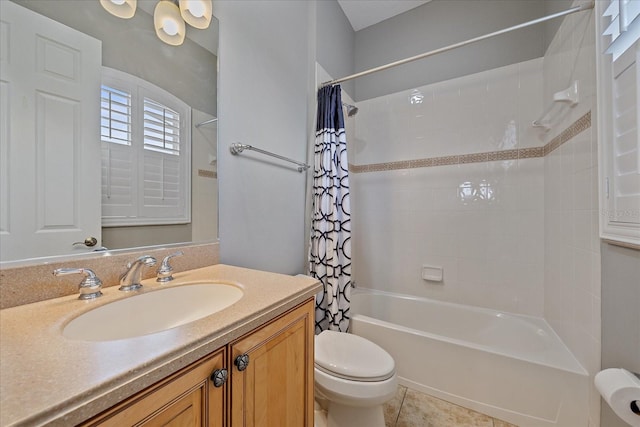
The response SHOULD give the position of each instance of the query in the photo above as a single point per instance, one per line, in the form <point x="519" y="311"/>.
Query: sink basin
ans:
<point x="152" y="312"/>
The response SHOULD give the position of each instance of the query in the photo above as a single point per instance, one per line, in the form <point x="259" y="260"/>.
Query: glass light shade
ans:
<point x="120" y="8"/>
<point x="169" y="25"/>
<point x="196" y="13"/>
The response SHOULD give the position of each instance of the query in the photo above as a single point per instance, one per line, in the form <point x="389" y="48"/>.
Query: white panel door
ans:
<point x="50" y="138"/>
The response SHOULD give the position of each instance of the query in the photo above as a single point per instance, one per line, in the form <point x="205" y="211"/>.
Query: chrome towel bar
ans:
<point x="206" y="122"/>
<point x="238" y="148"/>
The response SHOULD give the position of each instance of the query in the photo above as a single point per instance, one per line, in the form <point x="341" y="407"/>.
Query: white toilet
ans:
<point x="353" y="377"/>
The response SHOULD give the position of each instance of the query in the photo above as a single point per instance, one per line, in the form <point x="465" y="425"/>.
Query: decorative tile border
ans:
<point x="207" y="174"/>
<point x="528" y="153"/>
<point x="580" y="125"/>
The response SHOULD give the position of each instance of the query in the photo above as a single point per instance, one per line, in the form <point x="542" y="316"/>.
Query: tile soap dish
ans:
<point x="432" y="273"/>
<point x="568" y="96"/>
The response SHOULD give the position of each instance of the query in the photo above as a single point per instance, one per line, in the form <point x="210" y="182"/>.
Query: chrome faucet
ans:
<point x="165" y="271"/>
<point x="89" y="287"/>
<point x="130" y="280"/>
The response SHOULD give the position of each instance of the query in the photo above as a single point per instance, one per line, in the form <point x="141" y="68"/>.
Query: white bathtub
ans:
<point x="508" y="366"/>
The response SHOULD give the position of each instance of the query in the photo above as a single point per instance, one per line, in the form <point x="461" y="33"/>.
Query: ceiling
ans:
<point x="363" y="13"/>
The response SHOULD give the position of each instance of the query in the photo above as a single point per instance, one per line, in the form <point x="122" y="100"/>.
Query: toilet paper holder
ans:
<point x="635" y="404"/>
<point x="620" y="389"/>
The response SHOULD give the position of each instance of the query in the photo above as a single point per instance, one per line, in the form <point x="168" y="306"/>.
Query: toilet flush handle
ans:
<point x="242" y="362"/>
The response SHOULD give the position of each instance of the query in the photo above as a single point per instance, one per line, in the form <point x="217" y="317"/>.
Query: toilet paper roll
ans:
<point x="621" y="390"/>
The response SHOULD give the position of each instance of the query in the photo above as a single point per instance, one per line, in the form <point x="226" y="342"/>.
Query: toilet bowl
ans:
<point x="353" y="378"/>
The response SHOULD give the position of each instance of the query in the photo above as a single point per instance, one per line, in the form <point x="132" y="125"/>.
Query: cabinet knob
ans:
<point x="219" y="377"/>
<point x="242" y="362"/>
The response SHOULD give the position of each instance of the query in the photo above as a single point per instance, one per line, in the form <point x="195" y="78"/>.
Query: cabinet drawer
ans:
<point x="186" y="398"/>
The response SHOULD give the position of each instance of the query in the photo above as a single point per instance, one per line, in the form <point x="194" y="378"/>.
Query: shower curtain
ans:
<point x="330" y="239"/>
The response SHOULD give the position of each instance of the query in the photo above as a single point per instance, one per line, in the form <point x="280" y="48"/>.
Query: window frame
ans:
<point x="138" y="213"/>
<point x="611" y="229"/>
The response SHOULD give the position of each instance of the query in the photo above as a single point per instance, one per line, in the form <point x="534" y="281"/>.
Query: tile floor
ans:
<point x="411" y="408"/>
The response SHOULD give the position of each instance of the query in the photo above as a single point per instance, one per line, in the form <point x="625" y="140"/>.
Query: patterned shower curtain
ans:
<point x="330" y="249"/>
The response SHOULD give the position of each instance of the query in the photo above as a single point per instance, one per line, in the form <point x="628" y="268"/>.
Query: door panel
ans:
<point x="276" y="388"/>
<point x="50" y="142"/>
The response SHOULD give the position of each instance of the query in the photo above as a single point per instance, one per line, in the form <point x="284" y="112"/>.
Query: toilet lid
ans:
<point x="352" y="357"/>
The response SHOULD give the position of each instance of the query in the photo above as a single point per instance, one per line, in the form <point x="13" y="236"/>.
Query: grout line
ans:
<point x="400" y="407"/>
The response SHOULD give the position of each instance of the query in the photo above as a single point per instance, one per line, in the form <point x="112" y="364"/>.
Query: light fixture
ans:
<point x="120" y="8"/>
<point x="169" y="20"/>
<point x="169" y="25"/>
<point x="196" y="13"/>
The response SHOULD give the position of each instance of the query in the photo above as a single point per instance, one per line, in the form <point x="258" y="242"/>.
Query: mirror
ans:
<point x="188" y="72"/>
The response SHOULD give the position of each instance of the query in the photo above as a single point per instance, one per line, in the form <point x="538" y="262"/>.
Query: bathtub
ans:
<point x="508" y="366"/>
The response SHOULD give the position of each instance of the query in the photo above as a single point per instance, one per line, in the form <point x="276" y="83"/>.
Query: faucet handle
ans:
<point x="165" y="269"/>
<point x="89" y="287"/>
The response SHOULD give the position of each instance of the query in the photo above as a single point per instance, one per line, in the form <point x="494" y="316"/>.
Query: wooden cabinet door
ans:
<point x="276" y="387"/>
<point x="187" y="398"/>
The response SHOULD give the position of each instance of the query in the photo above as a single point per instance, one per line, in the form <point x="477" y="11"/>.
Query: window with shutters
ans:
<point x="618" y="25"/>
<point x="146" y="145"/>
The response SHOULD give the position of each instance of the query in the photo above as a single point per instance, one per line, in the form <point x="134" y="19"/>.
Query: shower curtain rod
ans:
<point x="584" y="6"/>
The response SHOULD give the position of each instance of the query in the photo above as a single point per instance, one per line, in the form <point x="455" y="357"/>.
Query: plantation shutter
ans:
<point x="161" y="174"/>
<point x="618" y="101"/>
<point x="624" y="184"/>
<point x="119" y="192"/>
<point x="146" y="153"/>
<point x="624" y="25"/>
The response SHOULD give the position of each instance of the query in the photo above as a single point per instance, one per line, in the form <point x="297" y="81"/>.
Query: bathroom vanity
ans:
<point x="248" y="364"/>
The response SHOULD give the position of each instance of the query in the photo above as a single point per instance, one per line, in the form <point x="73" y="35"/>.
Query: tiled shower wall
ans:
<point x="571" y="243"/>
<point x="517" y="234"/>
<point x="483" y="221"/>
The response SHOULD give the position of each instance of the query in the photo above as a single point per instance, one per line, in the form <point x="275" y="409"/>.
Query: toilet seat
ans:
<point x="351" y="357"/>
<point x="354" y="393"/>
